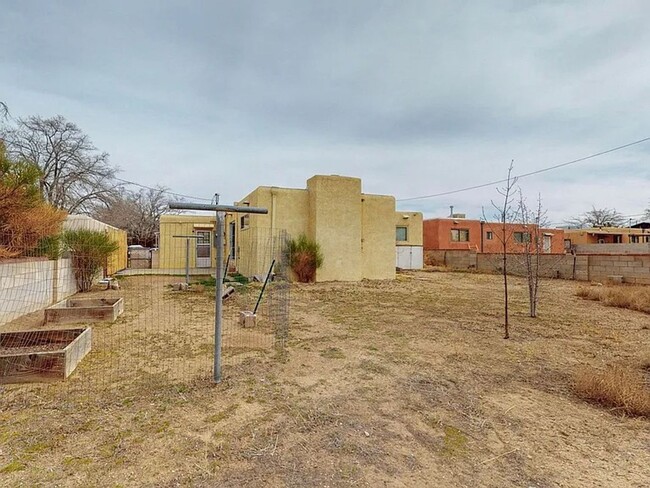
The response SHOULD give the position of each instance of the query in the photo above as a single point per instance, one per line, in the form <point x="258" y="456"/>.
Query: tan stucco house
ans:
<point x="361" y="235"/>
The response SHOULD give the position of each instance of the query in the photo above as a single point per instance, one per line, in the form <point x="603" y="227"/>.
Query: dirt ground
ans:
<point x="403" y="383"/>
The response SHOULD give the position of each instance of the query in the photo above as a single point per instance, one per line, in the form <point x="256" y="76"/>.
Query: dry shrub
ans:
<point x="23" y="229"/>
<point x="588" y="292"/>
<point x="25" y="219"/>
<point x="624" y="296"/>
<point x="620" y="388"/>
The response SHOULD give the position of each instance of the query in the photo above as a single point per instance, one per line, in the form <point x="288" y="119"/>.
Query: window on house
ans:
<point x="489" y="235"/>
<point x="460" y="235"/>
<point x="567" y="243"/>
<point x="243" y="221"/>
<point x="522" y="237"/>
<point x="401" y="234"/>
<point x="634" y="239"/>
<point x="203" y="237"/>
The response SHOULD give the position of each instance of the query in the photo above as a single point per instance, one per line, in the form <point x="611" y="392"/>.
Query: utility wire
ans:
<point x="483" y="185"/>
<point x="163" y="191"/>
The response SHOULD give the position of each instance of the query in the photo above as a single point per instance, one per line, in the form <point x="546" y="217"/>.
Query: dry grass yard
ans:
<point x="404" y="383"/>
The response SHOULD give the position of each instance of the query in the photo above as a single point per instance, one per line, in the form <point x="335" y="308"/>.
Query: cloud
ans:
<point x="414" y="97"/>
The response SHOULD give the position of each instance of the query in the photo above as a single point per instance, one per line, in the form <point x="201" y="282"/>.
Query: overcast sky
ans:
<point x="414" y="97"/>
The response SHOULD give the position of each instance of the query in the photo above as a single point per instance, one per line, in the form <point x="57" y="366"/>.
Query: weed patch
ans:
<point x="12" y="467"/>
<point x="455" y="442"/>
<point x="623" y="389"/>
<point x="332" y="353"/>
<point x="630" y="297"/>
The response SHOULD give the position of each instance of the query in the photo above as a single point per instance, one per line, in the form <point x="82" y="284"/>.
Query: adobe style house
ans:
<point x="361" y="235"/>
<point x="607" y="235"/>
<point x="446" y="234"/>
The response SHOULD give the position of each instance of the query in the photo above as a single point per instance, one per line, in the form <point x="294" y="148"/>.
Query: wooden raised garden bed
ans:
<point x="81" y="310"/>
<point x="42" y="355"/>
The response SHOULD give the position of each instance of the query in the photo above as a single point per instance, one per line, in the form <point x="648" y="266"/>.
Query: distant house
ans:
<point x="361" y="235"/>
<point x="446" y="234"/>
<point x="608" y="235"/>
<point x="641" y="225"/>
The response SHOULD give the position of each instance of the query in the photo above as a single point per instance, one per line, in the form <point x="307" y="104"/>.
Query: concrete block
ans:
<point x="615" y="279"/>
<point x="227" y="292"/>
<point x="247" y="319"/>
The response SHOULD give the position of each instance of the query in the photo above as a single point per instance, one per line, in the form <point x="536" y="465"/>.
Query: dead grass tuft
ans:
<point x="621" y="388"/>
<point x="624" y="296"/>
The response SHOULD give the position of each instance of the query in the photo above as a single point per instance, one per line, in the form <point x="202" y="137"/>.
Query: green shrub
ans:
<point x="49" y="247"/>
<point x="89" y="251"/>
<point x="239" y="278"/>
<point x="305" y="257"/>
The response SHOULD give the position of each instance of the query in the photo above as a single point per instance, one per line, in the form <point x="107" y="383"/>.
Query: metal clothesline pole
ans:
<point x="220" y="211"/>
<point x="187" y="255"/>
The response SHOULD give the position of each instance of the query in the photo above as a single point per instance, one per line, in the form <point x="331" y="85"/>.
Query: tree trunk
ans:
<point x="505" y="290"/>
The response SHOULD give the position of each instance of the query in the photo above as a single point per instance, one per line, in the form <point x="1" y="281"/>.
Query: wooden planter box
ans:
<point x="42" y="355"/>
<point x="82" y="310"/>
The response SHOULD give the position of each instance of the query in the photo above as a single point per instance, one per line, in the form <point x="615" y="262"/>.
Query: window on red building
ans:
<point x="460" y="235"/>
<point x="522" y="237"/>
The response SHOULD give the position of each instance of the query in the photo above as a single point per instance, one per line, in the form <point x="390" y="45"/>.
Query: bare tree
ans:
<point x="506" y="212"/>
<point x="598" y="217"/>
<point x="4" y="110"/>
<point x="136" y="212"/>
<point x="534" y="221"/>
<point x="74" y="174"/>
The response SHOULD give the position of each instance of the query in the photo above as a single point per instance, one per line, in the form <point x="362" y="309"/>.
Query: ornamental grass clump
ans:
<point x="622" y="389"/>
<point x="89" y="251"/>
<point x="305" y="257"/>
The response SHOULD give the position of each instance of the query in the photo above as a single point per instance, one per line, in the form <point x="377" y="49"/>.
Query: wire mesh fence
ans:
<point x="140" y="328"/>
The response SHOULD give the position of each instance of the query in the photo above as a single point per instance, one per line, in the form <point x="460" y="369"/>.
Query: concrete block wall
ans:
<point x="633" y="268"/>
<point x="434" y="258"/>
<point x="28" y="285"/>
<point x="551" y="265"/>
<point x="454" y="259"/>
<point x="588" y="267"/>
<point x="613" y="249"/>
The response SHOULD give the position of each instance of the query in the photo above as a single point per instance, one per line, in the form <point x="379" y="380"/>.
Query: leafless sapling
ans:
<point x="506" y="212"/>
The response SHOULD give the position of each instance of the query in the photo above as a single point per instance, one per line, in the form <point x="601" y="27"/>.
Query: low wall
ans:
<point x="456" y="259"/>
<point x="563" y="266"/>
<point x="28" y="285"/>
<point x="613" y="249"/>
<point x="634" y="268"/>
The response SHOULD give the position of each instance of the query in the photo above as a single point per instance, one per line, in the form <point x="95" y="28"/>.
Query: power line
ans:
<point x="163" y="191"/>
<point x="483" y="185"/>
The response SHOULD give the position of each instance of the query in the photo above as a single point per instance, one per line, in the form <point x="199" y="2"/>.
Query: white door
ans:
<point x="203" y="249"/>
<point x="409" y="257"/>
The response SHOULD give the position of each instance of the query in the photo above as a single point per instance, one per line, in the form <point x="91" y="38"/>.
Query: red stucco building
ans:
<point x="475" y="235"/>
